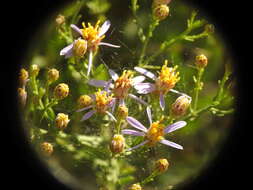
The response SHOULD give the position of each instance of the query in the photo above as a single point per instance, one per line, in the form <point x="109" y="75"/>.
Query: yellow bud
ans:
<point x="161" y="11"/>
<point x="159" y="2"/>
<point x="52" y="75"/>
<point x="84" y="101"/>
<point x="61" y="121"/>
<point x="46" y="148"/>
<point x="162" y="165"/>
<point x="118" y="143"/>
<point x="60" y="19"/>
<point x="180" y="106"/>
<point x="135" y="187"/>
<point x="23" y="77"/>
<point x="80" y="47"/>
<point x="22" y="95"/>
<point x="201" y="61"/>
<point x="61" y="91"/>
<point x="34" y="70"/>
<point x="122" y="111"/>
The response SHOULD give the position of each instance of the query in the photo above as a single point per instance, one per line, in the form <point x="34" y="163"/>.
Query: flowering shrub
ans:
<point x="110" y="111"/>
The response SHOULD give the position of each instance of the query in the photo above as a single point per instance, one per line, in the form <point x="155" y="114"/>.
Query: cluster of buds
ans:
<point x="61" y="121"/>
<point x="135" y="187"/>
<point x="34" y="70"/>
<point x="117" y="144"/>
<point x="162" y="165"/>
<point x="61" y="91"/>
<point x="180" y="106"/>
<point x="84" y="101"/>
<point x="52" y="75"/>
<point x="46" y="148"/>
<point x="201" y="61"/>
<point x="161" y="9"/>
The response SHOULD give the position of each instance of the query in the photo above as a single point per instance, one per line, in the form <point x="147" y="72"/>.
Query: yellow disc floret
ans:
<point x="168" y="77"/>
<point x="117" y="144"/>
<point x="155" y="133"/>
<point x="135" y="187"/>
<point x="84" y="101"/>
<point x="123" y="84"/>
<point x="102" y="101"/>
<point x="80" y="47"/>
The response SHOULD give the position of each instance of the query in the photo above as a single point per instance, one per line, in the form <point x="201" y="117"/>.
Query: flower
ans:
<point x="162" y="165"/>
<point x="92" y="37"/>
<point x="61" y="121"/>
<point x="135" y="187"/>
<point x="46" y="148"/>
<point x="60" y="19"/>
<point x="118" y="143"/>
<point x="161" y="11"/>
<point x="121" y="85"/>
<point x="52" y="75"/>
<point x="102" y="101"/>
<point x="61" y="91"/>
<point x="201" y="61"/>
<point x="165" y="82"/>
<point x="155" y="133"/>
<point x="180" y="106"/>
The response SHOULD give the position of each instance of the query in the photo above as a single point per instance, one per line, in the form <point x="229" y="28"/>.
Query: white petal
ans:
<point x="172" y="144"/>
<point x="104" y="28"/>
<point x="114" y="75"/>
<point x="76" y="29"/>
<point x="97" y="83"/>
<point x="108" y="44"/>
<point x="145" y="72"/>
<point x="65" y="50"/>
<point x="162" y="101"/>
<point x="136" y="124"/>
<point x="149" y="115"/>
<point x="144" y="88"/>
<point x="174" y="126"/>
<point x="177" y="92"/>
<point x="137" y="146"/>
<point x="90" y="63"/>
<point x="132" y="132"/>
<point x="138" y="99"/>
<point x="111" y="116"/>
<point x="138" y="79"/>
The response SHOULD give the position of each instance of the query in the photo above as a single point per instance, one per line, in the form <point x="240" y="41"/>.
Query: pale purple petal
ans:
<point x="138" y="79"/>
<point x="97" y="83"/>
<point x="132" y="132"/>
<point x="121" y="102"/>
<point x="162" y="101"/>
<point x="114" y="75"/>
<point x="113" y="104"/>
<point x="88" y="115"/>
<point x="85" y="108"/>
<point x="90" y="63"/>
<point x="108" y="85"/>
<point x="138" y="99"/>
<point x="137" y="146"/>
<point x="108" y="44"/>
<point x="149" y="115"/>
<point x="172" y="144"/>
<point x="67" y="50"/>
<point x="144" y="88"/>
<point x="136" y="124"/>
<point x="76" y="29"/>
<point x="183" y="94"/>
<point x="145" y="72"/>
<point x="174" y="126"/>
<point x="111" y="116"/>
<point x="104" y="28"/>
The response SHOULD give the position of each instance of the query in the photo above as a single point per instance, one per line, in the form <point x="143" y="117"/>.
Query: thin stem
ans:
<point x="198" y="87"/>
<point x="149" y="178"/>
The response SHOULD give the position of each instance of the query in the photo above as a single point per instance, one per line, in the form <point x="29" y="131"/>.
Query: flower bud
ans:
<point x="209" y="28"/>
<point x="60" y="19"/>
<point x="161" y="11"/>
<point x="61" y="121"/>
<point x="161" y="2"/>
<point x="34" y="70"/>
<point x="118" y="143"/>
<point x="23" y="77"/>
<point x="162" y="165"/>
<point x="52" y="75"/>
<point x="84" y="101"/>
<point x="46" y="148"/>
<point x="135" y="187"/>
<point x="61" y="91"/>
<point x="180" y="106"/>
<point x="80" y="47"/>
<point x="122" y="111"/>
<point x="201" y="61"/>
<point x="22" y="96"/>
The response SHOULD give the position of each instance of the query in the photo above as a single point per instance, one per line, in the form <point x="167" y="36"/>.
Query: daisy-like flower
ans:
<point x="120" y="86"/>
<point x="155" y="133"/>
<point x="102" y="101"/>
<point x="91" y="39"/>
<point x="165" y="82"/>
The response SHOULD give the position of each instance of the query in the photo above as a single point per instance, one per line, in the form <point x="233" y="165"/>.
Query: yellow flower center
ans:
<point x="102" y="101"/>
<point x="90" y="33"/>
<point x="123" y="84"/>
<point x="80" y="47"/>
<point x="155" y="133"/>
<point x="167" y="79"/>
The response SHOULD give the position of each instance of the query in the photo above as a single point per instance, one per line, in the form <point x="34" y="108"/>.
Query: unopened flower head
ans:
<point x="23" y="77"/>
<point x="61" y="91"/>
<point x="201" y="61"/>
<point x="123" y="84"/>
<point x="162" y="165"/>
<point x="61" y="121"/>
<point x="122" y="111"/>
<point x="168" y="77"/>
<point x="80" y="47"/>
<point x="103" y="100"/>
<point x="46" y="148"/>
<point x="52" y="75"/>
<point x="34" y="70"/>
<point x="117" y="144"/>
<point x="135" y="187"/>
<point x="84" y="101"/>
<point x="180" y="106"/>
<point x="22" y="95"/>
<point x="161" y="11"/>
<point x="60" y="19"/>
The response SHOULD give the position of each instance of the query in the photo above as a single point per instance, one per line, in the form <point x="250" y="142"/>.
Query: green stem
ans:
<point x="198" y="87"/>
<point x="149" y="178"/>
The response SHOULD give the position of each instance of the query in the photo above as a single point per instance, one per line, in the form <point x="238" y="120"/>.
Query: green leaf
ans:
<point x="101" y="73"/>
